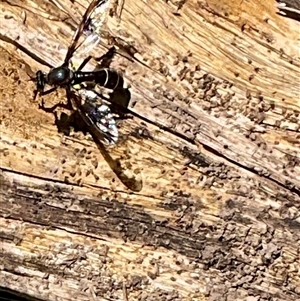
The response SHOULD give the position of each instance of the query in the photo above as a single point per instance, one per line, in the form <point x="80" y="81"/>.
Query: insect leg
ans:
<point x="48" y="91"/>
<point x="85" y="61"/>
<point x="42" y="93"/>
<point x="105" y="60"/>
<point x="67" y="106"/>
<point x="53" y="108"/>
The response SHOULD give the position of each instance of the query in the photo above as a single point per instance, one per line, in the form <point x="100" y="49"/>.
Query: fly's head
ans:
<point x="57" y="77"/>
<point x="40" y="81"/>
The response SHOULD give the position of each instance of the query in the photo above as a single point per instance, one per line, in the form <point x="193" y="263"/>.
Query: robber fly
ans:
<point x="97" y="116"/>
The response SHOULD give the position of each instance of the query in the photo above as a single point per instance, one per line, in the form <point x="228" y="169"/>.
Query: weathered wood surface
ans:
<point x="217" y="217"/>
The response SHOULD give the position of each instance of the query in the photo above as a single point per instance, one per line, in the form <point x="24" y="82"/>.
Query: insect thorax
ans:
<point x="60" y="76"/>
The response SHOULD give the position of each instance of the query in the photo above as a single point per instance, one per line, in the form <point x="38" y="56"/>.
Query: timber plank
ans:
<point x="215" y="210"/>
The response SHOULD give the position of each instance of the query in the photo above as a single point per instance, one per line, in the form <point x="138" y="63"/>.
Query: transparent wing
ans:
<point x="86" y="36"/>
<point x="96" y="115"/>
<point x="101" y="124"/>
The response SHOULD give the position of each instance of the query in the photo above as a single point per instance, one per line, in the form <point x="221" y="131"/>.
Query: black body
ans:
<point x="63" y="77"/>
<point x="98" y="117"/>
<point x="107" y="78"/>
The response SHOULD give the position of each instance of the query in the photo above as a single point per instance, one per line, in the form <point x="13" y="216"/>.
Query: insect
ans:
<point x="289" y="9"/>
<point x="63" y="76"/>
<point x="96" y="115"/>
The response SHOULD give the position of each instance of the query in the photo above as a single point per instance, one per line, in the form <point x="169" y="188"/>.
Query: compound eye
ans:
<point x="40" y="81"/>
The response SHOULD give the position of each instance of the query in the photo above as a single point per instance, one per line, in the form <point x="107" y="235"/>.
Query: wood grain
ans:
<point x="217" y="215"/>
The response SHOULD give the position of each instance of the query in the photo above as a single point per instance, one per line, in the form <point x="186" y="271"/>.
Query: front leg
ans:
<point x="68" y="106"/>
<point x="63" y="121"/>
<point x="53" y="108"/>
<point x="43" y="93"/>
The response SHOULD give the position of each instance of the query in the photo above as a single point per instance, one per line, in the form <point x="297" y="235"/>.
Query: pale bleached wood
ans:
<point x="235" y="207"/>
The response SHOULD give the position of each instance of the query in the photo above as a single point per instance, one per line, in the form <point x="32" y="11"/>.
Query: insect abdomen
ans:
<point x="107" y="78"/>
